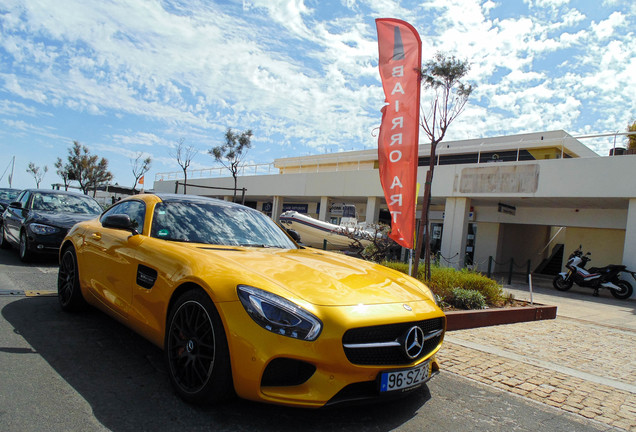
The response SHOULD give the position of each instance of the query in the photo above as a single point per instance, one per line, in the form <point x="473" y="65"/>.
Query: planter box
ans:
<point x="460" y="320"/>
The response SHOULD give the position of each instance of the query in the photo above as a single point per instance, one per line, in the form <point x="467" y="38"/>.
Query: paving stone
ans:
<point x="514" y="354"/>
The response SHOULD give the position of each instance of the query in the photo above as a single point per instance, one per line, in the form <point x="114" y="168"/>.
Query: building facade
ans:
<point x="531" y="198"/>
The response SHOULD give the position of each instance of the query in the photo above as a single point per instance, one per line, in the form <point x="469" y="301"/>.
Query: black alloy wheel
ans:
<point x="561" y="284"/>
<point x="196" y="350"/>
<point x="25" y="254"/>
<point x="625" y="292"/>
<point x="69" y="293"/>
<point x="4" y="244"/>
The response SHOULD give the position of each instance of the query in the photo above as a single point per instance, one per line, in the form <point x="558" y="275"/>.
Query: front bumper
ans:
<point x="316" y="373"/>
<point x="45" y="244"/>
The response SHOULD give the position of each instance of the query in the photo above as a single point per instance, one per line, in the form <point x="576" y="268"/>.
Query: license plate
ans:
<point x="398" y="380"/>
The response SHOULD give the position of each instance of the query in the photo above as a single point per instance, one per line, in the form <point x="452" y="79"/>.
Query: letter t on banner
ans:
<point x="400" y="50"/>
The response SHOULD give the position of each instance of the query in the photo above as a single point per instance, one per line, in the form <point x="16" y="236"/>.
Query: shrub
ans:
<point x="445" y="279"/>
<point x="467" y="299"/>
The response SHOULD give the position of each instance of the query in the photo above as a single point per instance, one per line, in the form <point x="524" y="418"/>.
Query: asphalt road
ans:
<point x="86" y="372"/>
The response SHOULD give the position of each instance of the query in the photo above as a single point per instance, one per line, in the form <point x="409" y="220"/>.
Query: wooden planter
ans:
<point x="460" y="320"/>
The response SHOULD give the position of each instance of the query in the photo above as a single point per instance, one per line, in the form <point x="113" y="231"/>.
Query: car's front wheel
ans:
<point x="196" y="350"/>
<point x="25" y="254"/>
<point x="68" y="289"/>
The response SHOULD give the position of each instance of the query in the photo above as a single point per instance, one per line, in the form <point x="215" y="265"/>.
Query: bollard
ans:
<point x="489" y="266"/>
<point x="512" y="263"/>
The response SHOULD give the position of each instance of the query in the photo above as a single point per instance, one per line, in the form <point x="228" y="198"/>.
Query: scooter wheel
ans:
<point x="625" y="292"/>
<point x="561" y="284"/>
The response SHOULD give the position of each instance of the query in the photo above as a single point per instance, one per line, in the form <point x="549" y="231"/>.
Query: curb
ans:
<point x="461" y="320"/>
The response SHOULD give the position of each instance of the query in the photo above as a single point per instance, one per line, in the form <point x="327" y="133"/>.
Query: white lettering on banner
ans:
<point x="396" y="139"/>
<point x="397" y="89"/>
<point x="396" y="199"/>
<point x="396" y="182"/>
<point x="398" y="122"/>
<point x="395" y="215"/>
<point x="398" y="71"/>
<point x="395" y="154"/>
<point x="397" y="105"/>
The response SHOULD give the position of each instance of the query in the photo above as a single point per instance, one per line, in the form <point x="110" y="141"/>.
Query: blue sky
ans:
<point x="135" y="76"/>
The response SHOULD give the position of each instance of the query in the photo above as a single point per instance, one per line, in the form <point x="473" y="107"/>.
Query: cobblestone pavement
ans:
<point x="576" y="366"/>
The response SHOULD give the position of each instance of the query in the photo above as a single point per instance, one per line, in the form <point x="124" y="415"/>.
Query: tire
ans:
<point x="196" y="350"/>
<point x="25" y="254"/>
<point x="625" y="292"/>
<point x="560" y="284"/>
<point x="4" y="244"/>
<point x="69" y="293"/>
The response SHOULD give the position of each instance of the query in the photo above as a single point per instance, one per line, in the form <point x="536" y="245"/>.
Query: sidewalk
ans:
<point x="582" y="362"/>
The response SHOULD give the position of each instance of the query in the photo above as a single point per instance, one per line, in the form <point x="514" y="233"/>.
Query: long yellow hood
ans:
<point x="326" y="278"/>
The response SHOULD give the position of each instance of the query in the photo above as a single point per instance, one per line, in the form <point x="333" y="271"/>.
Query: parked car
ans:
<point x="7" y="196"/>
<point x="37" y="221"/>
<point x="239" y="308"/>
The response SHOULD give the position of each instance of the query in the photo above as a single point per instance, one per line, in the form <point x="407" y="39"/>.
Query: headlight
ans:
<point x="43" y="229"/>
<point x="279" y="315"/>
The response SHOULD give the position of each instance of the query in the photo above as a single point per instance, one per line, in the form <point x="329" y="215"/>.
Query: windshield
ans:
<point x="216" y="224"/>
<point x="8" y="195"/>
<point x="64" y="203"/>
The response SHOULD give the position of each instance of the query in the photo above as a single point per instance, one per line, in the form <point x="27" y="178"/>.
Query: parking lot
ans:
<point x="87" y="372"/>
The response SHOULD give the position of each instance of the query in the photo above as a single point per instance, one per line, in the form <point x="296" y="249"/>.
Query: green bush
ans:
<point x="445" y="279"/>
<point x="467" y="299"/>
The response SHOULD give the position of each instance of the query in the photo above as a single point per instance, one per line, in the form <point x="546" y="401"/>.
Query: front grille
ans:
<point x="393" y="336"/>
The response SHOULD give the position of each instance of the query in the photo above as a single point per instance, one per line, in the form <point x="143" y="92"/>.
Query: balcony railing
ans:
<point x="245" y="170"/>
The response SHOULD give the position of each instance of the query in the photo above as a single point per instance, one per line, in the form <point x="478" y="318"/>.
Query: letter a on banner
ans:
<point x="400" y="50"/>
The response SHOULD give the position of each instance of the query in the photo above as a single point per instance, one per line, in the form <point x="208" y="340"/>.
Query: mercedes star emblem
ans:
<point x="413" y="343"/>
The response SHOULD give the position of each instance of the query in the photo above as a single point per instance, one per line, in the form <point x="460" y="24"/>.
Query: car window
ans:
<point x="64" y="203"/>
<point x="24" y="199"/>
<point x="216" y="224"/>
<point x="136" y="211"/>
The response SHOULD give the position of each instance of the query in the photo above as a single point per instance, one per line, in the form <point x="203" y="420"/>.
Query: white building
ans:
<point x="506" y="197"/>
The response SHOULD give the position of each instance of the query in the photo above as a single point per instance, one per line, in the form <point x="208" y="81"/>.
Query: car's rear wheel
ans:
<point x="196" y="350"/>
<point x="4" y="244"/>
<point x="625" y="292"/>
<point x="68" y="288"/>
<point x="25" y="254"/>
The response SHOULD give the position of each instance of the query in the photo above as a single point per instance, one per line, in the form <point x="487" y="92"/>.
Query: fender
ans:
<point x="564" y="275"/>
<point x="610" y="285"/>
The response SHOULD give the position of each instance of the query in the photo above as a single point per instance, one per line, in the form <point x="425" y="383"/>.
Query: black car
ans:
<point x="7" y="196"/>
<point x="38" y="220"/>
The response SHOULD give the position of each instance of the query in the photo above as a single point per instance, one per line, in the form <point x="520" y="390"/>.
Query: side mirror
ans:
<point x="16" y="205"/>
<point x="119" y="221"/>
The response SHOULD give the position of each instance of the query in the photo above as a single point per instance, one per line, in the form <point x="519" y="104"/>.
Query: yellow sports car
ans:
<point x="239" y="308"/>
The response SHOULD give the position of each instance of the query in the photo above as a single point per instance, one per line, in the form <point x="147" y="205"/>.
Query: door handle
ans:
<point x="96" y="236"/>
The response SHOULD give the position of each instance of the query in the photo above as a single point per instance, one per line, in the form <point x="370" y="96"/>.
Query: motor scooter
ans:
<point x="595" y="277"/>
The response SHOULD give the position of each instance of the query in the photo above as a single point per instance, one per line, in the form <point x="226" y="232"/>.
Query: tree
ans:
<point x="64" y="171"/>
<point x="441" y="78"/>
<point x="37" y="174"/>
<point x="631" y="139"/>
<point x="184" y="156"/>
<point x="87" y="169"/>
<point x="140" y="167"/>
<point x="232" y="153"/>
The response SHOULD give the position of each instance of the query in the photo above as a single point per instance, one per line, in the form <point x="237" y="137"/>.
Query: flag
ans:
<point x="141" y="180"/>
<point x="400" y="61"/>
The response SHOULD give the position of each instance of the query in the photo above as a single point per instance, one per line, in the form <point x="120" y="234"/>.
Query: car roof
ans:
<point x="57" y="192"/>
<point x="168" y="197"/>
